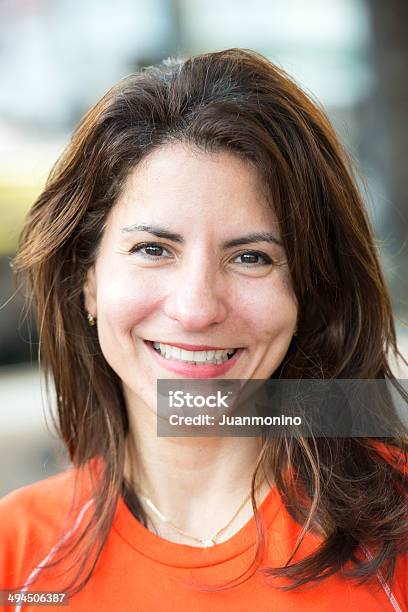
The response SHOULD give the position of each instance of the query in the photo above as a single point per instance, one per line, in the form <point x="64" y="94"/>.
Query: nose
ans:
<point x="197" y="299"/>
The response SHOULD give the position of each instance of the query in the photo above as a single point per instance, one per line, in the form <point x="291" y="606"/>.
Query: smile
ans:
<point x="175" y="353"/>
<point x="194" y="364"/>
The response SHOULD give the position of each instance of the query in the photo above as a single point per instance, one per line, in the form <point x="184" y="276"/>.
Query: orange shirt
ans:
<point x="139" y="571"/>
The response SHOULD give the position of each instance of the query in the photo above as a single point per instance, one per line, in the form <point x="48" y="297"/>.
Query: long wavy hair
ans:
<point x="236" y="101"/>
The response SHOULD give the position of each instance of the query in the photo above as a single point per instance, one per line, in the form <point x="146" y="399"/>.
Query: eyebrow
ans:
<point x="162" y="232"/>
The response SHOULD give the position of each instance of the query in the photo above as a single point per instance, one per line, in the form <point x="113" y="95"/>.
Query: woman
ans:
<point x="206" y="207"/>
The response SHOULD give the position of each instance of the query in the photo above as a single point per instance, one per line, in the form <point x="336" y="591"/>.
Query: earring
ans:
<point x="295" y="332"/>
<point x="91" y="319"/>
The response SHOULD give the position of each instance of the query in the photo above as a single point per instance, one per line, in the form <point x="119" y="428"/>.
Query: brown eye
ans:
<point x="255" y="258"/>
<point x="148" y="250"/>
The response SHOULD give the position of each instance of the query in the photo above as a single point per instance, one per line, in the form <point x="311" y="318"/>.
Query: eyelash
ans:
<point x="138" y="247"/>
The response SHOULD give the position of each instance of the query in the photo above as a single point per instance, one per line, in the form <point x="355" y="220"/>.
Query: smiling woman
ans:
<point x="204" y="223"/>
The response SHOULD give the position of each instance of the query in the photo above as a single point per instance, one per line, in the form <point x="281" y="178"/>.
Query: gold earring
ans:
<point x="91" y="319"/>
<point x="295" y="332"/>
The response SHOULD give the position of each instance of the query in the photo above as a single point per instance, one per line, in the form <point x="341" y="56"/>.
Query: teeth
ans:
<point x="173" y="352"/>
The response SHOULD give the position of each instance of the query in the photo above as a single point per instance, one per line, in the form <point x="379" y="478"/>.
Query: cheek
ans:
<point x="125" y="300"/>
<point x="271" y="309"/>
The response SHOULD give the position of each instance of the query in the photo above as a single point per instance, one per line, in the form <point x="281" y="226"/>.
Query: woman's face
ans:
<point x="179" y="282"/>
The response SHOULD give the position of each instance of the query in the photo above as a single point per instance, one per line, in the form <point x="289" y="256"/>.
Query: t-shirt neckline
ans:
<point x="178" y="555"/>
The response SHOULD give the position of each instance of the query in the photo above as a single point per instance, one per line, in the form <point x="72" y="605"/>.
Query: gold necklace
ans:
<point x="205" y="542"/>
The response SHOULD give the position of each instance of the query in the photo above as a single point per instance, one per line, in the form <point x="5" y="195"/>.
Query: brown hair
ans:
<point x="237" y="101"/>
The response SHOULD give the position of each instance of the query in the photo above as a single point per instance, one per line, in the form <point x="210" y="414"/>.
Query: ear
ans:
<point x="90" y="292"/>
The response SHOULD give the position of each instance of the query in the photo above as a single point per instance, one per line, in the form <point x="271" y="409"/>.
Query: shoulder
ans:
<point x="33" y="518"/>
<point x="42" y="502"/>
<point x="397" y="457"/>
<point x="36" y="498"/>
<point x="401" y="576"/>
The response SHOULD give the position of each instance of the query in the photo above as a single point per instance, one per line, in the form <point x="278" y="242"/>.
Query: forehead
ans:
<point x="182" y="184"/>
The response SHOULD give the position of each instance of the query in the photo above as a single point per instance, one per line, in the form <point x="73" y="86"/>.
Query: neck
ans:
<point x="196" y="483"/>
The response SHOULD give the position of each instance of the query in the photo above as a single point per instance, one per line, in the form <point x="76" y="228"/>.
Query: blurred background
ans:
<point x="57" y="58"/>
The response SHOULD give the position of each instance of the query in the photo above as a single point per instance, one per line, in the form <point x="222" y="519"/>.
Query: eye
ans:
<point x="154" y="251"/>
<point x="149" y="250"/>
<point x="252" y="258"/>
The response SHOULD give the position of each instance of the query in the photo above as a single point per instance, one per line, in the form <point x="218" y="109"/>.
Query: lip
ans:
<point x="194" y="347"/>
<point x="187" y="370"/>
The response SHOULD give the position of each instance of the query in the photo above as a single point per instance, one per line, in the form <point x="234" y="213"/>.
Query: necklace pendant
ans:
<point x="208" y="542"/>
